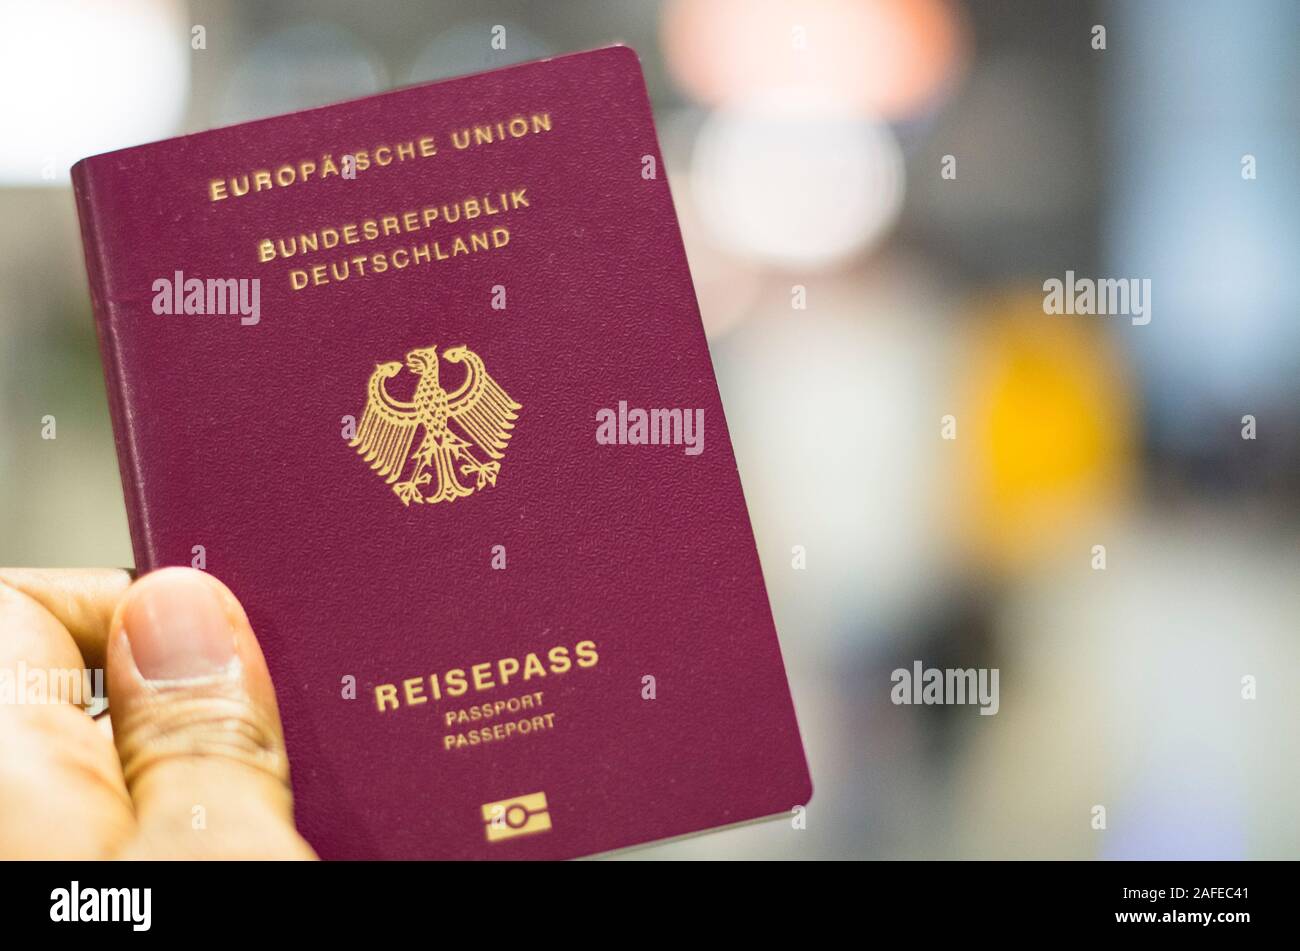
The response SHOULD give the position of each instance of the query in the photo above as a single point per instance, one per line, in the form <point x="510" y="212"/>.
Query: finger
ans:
<point x="82" y="599"/>
<point x="61" y="789"/>
<point x="196" y="725"/>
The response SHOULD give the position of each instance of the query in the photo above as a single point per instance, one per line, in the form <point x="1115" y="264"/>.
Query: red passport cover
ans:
<point x="505" y="617"/>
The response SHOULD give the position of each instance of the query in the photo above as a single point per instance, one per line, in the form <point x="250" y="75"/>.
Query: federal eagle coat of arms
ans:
<point x="466" y="430"/>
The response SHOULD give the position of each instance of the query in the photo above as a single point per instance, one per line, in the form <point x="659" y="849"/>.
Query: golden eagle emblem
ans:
<point x="477" y="415"/>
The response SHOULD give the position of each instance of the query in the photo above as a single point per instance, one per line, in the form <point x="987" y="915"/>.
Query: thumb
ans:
<point x="196" y="725"/>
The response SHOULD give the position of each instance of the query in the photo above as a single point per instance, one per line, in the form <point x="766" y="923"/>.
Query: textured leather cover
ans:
<point x="231" y="436"/>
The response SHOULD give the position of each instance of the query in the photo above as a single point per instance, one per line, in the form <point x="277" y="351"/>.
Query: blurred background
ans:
<point x="926" y="166"/>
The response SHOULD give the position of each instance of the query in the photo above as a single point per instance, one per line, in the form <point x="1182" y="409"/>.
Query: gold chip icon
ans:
<point x="522" y="815"/>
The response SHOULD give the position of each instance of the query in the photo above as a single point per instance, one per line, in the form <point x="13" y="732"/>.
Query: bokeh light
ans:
<point x="796" y="181"/>
<point x="887" y="58"/>
<point x="82" y="77"/>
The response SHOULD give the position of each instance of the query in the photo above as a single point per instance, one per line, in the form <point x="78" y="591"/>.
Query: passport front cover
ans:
<point x="422" y="378"/>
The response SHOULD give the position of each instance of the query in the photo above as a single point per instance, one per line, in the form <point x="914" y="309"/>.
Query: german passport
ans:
<point x="422" y="378"/>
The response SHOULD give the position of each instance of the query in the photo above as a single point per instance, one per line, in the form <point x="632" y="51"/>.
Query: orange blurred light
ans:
<point x="885" y="58"/>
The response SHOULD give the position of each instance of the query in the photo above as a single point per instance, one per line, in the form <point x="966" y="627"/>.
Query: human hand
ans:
<point x="189" y="762"/>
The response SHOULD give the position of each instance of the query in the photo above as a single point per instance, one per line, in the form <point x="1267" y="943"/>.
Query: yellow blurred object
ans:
<point x="1045" y="421"/>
